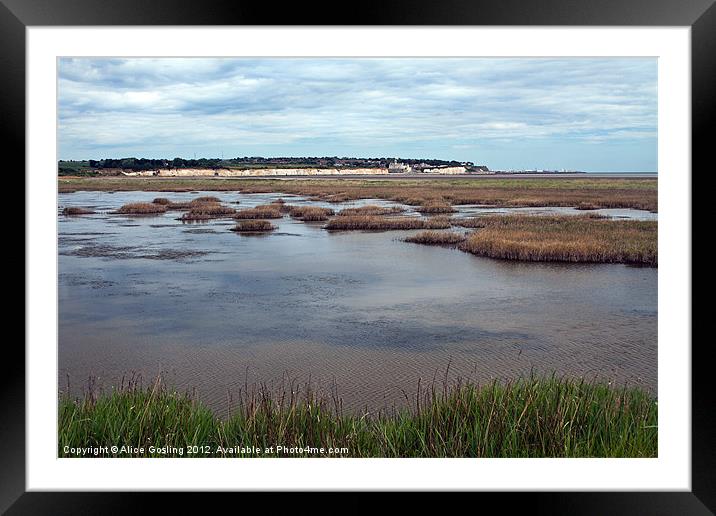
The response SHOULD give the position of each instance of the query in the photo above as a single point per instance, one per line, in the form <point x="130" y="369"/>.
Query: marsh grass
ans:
<point x="605" y="192"/>
<point x="180" y="205"/>
<point x="196" y="203"/>
<point x="375" y="223"/>
<point x="310" y="213"/>
<point x="581" y="238"/>
<point x="204" y="211"/>
<point x="370" y="209"/>
<point x="206" y="199"/>
<point x="195" y="217"/>
<point x="432" y="207"/>
<point x="142" y="208"/>
<point x="444" y="238"/>
<point x="253" y="226"/>
<point x="468" y="222"/>
<point x="587" y="206"/>
<point x="333" y="197"/>
<point x="532" y="417"/>
<point x="264" y="211"/>
<point x="75" y="210"/>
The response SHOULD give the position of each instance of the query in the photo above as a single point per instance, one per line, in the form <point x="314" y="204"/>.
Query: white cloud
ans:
<point x="249" y="106"/>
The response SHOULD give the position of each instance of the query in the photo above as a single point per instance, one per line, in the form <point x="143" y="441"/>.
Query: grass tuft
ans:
<point x="587" y="206"/>
<point x="180" y="205"/>
<point x="142" y="208"/>
<point x="370" y="209"/>
<point x="532" y="417"/>
<point x="374" y="223"/>
<point x="310" y="213"/>
<point x="74" y="210"/>
<point x="253" y="226"/>
<point x="440" y="222"/>
<point x="436" y="207"/>
<point x="206" y="199"/>
<point x="446" y="238"/>
<point x="564" y="239"/>
<point x="264" y="211"/>
<point x="204" y="211"/>
<point x="334" y="197"/>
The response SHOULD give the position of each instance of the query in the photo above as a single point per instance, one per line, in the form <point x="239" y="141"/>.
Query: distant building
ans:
<point x="399" y="168"/>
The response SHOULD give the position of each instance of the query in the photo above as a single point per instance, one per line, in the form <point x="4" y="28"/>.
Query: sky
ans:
<point x="510" y="113"/>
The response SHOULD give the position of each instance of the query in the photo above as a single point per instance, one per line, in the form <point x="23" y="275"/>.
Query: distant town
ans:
<point x="259" y="166"/>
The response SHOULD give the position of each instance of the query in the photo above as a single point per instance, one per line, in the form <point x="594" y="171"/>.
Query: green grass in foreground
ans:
<point x="536" y="417"/>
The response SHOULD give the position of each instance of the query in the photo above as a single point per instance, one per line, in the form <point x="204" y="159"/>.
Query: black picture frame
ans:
<point x="700" y="15"/>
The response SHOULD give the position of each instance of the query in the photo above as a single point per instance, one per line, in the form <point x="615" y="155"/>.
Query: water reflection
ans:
<point x="215" y="309"/>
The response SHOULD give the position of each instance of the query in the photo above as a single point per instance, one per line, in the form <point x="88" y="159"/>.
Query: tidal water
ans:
<point x="363" y="314"/>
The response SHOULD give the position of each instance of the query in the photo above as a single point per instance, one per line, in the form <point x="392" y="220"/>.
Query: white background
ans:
<point x="671" y="470"/>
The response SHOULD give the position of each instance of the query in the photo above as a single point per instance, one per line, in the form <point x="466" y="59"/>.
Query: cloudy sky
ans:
<point x="575" y="113"/>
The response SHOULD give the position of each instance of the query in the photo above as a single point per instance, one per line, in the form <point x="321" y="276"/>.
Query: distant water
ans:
<point x="361" y="312"/>
<point x="635" y="174"/>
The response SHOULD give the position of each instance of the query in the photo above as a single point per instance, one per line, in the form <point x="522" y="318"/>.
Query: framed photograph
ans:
<point x="446" y="248"/>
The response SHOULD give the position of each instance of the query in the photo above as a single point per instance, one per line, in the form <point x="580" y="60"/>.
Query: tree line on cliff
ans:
<point x="89" y="167"/>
